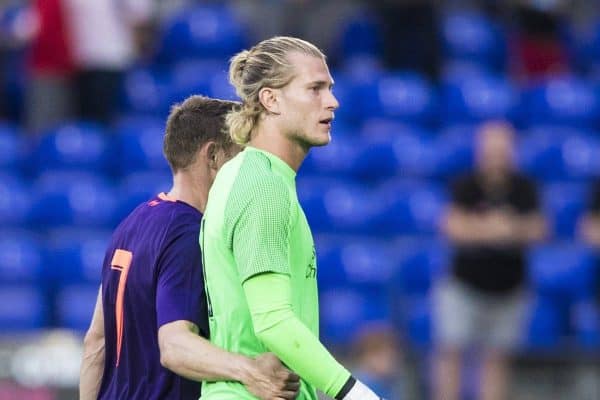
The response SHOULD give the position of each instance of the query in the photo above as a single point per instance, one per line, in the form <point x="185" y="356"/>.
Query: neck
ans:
<point x="268" y="137"/>
<point x="189" y="190"/>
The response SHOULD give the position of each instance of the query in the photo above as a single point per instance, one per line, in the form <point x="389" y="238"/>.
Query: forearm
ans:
<point x="530" y="228"/>
<point x="92" y="369"/>
<point x="187" y="354"/>
<point x="285" y="335"/>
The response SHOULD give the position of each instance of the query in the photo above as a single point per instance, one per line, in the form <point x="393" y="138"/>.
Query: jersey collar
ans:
<point x="277" y="163"/>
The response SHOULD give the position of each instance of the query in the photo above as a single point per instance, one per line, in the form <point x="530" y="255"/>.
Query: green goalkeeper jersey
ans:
<point x="254" y="224"/>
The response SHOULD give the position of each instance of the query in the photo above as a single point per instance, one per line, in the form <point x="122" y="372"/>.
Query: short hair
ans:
<point x="191" y="124"/>
<point x="264" y="65"/>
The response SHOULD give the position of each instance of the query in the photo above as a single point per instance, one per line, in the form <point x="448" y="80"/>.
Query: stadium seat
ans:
<point x="147" y="92"/>
<point x="568" y="101"/>
<point x="360" y="37"/>
<point x="478" y="98"/>
<point x="405" y="96"/>
<point x="208" y="31"/>
<point x="339" y="206"/>
<point x="409" y="207"/>
<point x="76" y="255"/>
<point x="197" y="77"/>
<point x="564" y="204"/>
<point x="455" y="152"/>
<point x="565" y="272"/>
<point x="139" y="187"/>
<point x="421" y="263"/>
<point x="540" y="152"/>
<point x="22" y="258"/>
<point x="416" y="322"/>
<point x="471" y="36"/>
<point x="585" y="321"/>
<point x="22" y="308"/>
<point x="345" y="311"/>
<point x="140" y="145"/>
<point x="77" y="145"/>
<point x="546" y="325"/>
<point x="75" y="306"/>
<point x="12" y="149"/>
<point x="580" y="155"/>
<point x="15" y="201"/>
<point x="73" y="198"/>
<point x="335" y="159"/>
<point x="360" y="262"/>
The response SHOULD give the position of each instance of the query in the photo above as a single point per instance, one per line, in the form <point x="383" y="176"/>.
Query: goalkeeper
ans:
<point x="259" y="257"/>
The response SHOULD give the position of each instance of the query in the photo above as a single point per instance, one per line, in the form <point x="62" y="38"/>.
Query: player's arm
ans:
<point x="180" y="300"/>
<point x="261" y="251"/>
<point x="276" y="325"/>
<point x="186" y="353"/>
<point x="92" y="365"/>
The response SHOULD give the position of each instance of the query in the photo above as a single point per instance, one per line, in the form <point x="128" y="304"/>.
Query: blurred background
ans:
<point x="85" y="89"/>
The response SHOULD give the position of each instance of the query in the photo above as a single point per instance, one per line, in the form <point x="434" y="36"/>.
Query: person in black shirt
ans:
<point x="493" y="216"/>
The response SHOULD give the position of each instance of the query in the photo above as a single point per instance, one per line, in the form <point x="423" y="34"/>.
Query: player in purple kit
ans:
<point x="146" y="340"/>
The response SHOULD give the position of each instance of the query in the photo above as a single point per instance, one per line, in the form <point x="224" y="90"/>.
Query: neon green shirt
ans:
<point x="253" y="224"/>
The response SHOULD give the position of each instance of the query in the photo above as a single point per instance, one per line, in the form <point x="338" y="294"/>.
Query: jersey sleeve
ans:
<point x="261" y="229"/>
<point x="180" y="284"/>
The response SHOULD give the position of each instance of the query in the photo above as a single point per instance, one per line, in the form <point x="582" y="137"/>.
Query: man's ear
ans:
<point x="211" y="153"/>
<point x="269" y="98"/>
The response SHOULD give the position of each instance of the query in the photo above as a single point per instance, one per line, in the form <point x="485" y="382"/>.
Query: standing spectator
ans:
<point x="50" y="66"/>
<point x="538" y="50"/>
<point x="493" y="217"/>
<point x="107" y="37"/>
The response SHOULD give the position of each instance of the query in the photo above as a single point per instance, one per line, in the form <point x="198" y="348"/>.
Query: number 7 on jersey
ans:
<point x="121" y="262"/>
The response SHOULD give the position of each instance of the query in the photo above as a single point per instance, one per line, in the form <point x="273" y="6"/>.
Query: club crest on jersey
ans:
<point x="311" y="270"/>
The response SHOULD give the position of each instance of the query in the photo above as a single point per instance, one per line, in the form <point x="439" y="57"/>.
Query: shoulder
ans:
<point x="256" y="180"/>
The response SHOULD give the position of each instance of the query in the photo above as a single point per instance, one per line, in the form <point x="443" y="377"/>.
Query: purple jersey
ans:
<point x="152" y="275"/>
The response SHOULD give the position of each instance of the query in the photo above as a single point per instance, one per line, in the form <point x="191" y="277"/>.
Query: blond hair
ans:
<point x="264" y="65"/>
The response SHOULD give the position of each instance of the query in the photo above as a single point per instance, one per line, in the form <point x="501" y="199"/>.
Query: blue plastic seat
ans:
<point x="471" y="36"/>
<point x="564" y="204"/>
<point x="191" y="77"/>
<point x="405" y="96"/>
<point x="335" y="159"/>
<point x="562" y="271"/>
<point x="140" y="145"/>
<point x="337" y="206"/>
<point x="73" y="198"/>
<point x="12" y="147"/>
<point x="546" y="325"/>
<point x="359" y="262"/>
<point x="76" y="145"/>
<point x="75" y="306"/>
<point x="76" y="255"/>
<point x="416" y="322"/>
<point x="15" y="201"/>
<point x="566" y="101"/>
<point x="148" y="92"/>
<point x="208" y="31"/>
<point x="585" y="320"/>
<point x="22" y="308"/>
<point x="409" y="207"/>
<point x="455" y="151"/>
<point x="421" y="263"/>
<point x="22" y="258"/>
<point x="139" y="187"/>
<point x="478" y="98"/>
<point x="361" y="37"/>
<point x="540" y="152"/>
<point x="345" y="311"/>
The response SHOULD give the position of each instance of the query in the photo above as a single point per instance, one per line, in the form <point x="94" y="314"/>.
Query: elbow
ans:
<point x="168" y="355"/>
